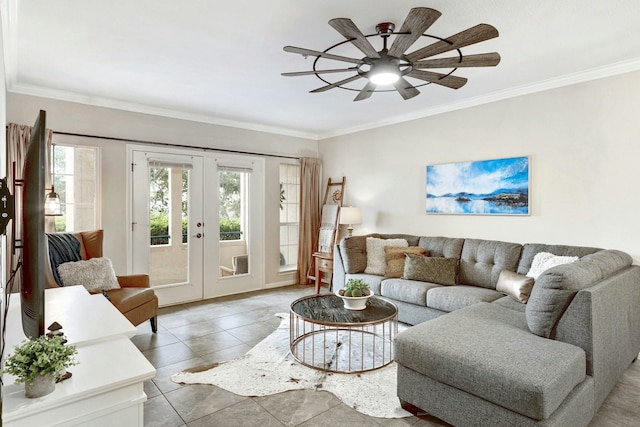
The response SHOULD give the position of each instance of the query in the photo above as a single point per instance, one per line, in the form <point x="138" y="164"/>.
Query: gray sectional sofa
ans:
<point x="476" y="357"/>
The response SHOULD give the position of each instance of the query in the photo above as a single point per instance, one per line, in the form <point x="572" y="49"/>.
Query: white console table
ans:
<point x="106" y="388"/>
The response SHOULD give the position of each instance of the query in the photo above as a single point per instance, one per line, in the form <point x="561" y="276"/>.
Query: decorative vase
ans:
<point x="40" y="386"/>
<point x="355" y="303"/>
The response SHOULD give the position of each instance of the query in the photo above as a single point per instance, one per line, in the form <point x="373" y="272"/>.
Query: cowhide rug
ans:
<point x="269" y="368"/>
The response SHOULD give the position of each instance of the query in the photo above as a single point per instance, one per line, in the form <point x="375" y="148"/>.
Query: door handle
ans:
<point x="199" y="235"/>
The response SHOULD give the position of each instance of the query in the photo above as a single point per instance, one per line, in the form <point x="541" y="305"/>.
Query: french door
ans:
<point x="196" y="223"/>
<point x="235" y="253"/>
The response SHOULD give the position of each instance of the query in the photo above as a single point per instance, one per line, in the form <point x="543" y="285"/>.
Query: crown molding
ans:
<point x="97" y="101"/>
<point x="557" y="82"/>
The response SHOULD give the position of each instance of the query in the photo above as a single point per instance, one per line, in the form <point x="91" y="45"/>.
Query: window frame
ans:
<point x="97" y="205"/>
<point x="293" y="162"/>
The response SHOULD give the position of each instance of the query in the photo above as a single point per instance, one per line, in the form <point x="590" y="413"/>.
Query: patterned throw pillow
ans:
<point x="545" y="260"/>
<point x="376" y="262"/>
<point x="442" y="271"/>
<point x="395" y="258"/>
<point x="95" y="274"/>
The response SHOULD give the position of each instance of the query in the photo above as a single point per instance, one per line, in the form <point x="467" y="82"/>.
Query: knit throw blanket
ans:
<point x="63" y="247"/>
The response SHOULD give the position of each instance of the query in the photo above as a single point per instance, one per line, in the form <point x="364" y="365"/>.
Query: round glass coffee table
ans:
<point x="324" y="335"/>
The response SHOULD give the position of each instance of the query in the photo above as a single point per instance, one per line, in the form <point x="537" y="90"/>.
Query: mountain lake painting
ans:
<point x="485" y="187"/>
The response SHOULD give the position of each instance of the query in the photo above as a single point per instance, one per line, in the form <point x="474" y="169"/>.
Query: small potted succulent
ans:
<point x="355" y="294"/>
<point x="39" y="363"/>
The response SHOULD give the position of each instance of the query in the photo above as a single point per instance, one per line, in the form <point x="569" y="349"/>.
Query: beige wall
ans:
<point x="584" y="143"/>
<point x="78" y="118"/>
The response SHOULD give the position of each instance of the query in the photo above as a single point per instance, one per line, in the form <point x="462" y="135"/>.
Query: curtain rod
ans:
<point x="167" y="144"/>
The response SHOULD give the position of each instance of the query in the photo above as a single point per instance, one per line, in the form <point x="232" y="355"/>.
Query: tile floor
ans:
<point x="222" y="329"/>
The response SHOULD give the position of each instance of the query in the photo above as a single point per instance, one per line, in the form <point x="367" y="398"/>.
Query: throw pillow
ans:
<point x="394" y="256"/>
<point x="545" y="260"/>
<point x="442" y="271"/>
<point x="515" y="285"/>
<point x="95" y="274"/>
<point x="376" y="262"/>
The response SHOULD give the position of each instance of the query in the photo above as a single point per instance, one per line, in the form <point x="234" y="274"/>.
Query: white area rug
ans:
<point x="269" y="368"/>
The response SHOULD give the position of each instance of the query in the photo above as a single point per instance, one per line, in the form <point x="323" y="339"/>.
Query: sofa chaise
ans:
<point x="476" y="356"/>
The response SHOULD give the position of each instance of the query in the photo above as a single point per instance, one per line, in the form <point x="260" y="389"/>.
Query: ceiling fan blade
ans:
<point x="416" y="23"/>
<point x="405" y="89"/>
<point x="336" y="84"/>
<point x="366" y="92"/>
<point x="479" y="33"/>
<point x="310" y="73"/>
<point x="454" y="82"/>
<point x="481" y="60"/>
<point x="303" y="51"/>
<point x="348" y="29"/>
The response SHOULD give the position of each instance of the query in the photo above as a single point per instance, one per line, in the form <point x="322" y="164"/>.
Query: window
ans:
<point x="165" y="199"/>
<point x="232" y="202"/>
<point x="75" y="178"/>
<point x="289" y="215"/>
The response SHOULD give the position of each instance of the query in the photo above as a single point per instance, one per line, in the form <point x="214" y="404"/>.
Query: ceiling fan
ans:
<point x="387" y="68"/>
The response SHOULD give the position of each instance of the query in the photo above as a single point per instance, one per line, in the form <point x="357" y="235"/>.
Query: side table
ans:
<point x="324" y="264"/>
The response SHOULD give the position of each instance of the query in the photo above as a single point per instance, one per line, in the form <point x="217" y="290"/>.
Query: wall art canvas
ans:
<point x="485" y="187"/>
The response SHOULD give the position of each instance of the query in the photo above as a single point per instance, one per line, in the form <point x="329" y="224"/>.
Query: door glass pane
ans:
<point x="233" y="191"/>
<point x="168" y="220"/>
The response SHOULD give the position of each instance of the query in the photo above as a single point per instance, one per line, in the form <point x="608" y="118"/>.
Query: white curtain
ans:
<point x="17" y="141"/>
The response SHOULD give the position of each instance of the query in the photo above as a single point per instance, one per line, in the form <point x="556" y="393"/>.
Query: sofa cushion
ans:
<point x="482" y="261"/>
<point x="438" y="270"/>
<point x="451" y="298"/>
<point x="394" y="257"/>
<point x="487" y="351"/>
<point x="354" y="254"/>
<point x="411" y="291"/>
<point x="555" y="288"/>
<point x="126" y="299"/>
<point x="529" y="251"/>
<point x="448" y="247"/>
<point x="510" y="303"/>
<point x="376" y="262"/>
<point x="515" y="285"/>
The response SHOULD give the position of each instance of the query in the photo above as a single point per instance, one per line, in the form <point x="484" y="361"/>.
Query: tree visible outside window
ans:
<point x="159" y="204"/>
<point x="289" y="215"/>
<point x="230" y="214"/>
<point x="75" y="178"/>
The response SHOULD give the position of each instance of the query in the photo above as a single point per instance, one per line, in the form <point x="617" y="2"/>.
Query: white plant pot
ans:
<point x="355" y="303"/>
<point x="40" y="386"/>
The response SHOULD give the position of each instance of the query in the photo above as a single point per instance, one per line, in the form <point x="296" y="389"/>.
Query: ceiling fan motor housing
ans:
<point x="385" y="29"/>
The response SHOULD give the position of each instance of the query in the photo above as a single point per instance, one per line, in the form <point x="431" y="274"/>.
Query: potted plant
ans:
<point x="355" y="294"/>
<point x="39" y="363"/>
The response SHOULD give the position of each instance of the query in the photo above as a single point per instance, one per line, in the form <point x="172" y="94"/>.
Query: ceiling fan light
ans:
<point x="384" y="78"/>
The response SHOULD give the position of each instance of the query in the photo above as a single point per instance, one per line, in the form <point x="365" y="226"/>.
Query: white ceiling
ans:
<point x="220" y="61"/>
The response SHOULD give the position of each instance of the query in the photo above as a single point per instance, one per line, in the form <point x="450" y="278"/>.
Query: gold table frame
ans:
<point x="326" y="336"/>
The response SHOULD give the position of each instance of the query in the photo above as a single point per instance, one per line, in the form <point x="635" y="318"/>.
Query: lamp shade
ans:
<point x="350" y="215"/>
